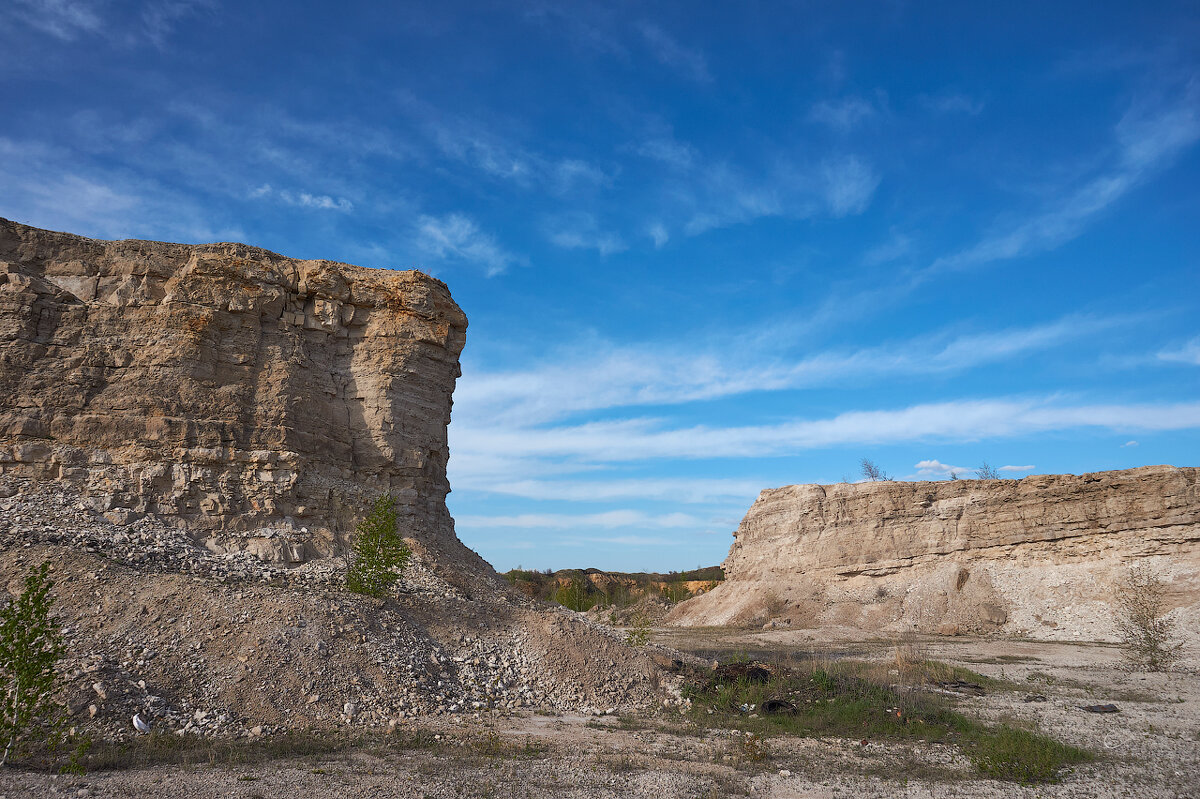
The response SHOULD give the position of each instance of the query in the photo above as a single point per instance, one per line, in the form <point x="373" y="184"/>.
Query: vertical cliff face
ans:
<point x="1039" y="556"/>
<point x="259" y="400"/>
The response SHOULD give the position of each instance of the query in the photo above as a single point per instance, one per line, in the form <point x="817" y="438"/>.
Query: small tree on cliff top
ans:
<point x="987" y="472"/>
<point x="872" y="472"/>
<point x="30" y="647"/>
<point x="379" y="552"/>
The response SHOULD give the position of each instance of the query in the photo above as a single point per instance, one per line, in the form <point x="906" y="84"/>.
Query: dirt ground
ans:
<point x="1151" y="748"/>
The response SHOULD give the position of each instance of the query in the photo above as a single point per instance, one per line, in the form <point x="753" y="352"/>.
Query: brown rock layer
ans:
<point x="258" y="400"/>
<point x="1039" y="556"/>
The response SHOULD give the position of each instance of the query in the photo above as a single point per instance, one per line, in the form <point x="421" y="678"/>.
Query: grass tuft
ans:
<point x="1016" y="755"/>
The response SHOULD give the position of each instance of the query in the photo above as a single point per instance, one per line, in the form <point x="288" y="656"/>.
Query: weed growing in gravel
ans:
<point x="866" y="701"/>
<point x="379" y="552"/>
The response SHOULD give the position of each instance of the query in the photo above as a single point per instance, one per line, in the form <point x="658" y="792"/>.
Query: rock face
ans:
<point x="1036" y="557"/>
<point x="187" y="431"/>
<point x="259" y="401"/>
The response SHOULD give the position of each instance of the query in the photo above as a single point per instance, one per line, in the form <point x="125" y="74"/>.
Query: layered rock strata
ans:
<point x="259" y="401"/>
<point x="1039" y="557"/>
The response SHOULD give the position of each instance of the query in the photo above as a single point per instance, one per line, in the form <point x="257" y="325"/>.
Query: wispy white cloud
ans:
<point x="668" y="151"/>
<point x="623" y="541"/>
<point x="303" y="199"/>
<point x="580" y="231"/>
<point x="570" y="521"/>
<point x="1129" y="444"/>
<point x="658" y="232"/>
<point x="895" y="248"/>
<point x="643" y="439"/>
<point x="687" y="61"/>
<point x="566" y="173"/>
<point x="456" y="237"/>
<point x="723" y="195"/>
<point x="1028" y="468"/>
<point x="593" y="26"/>
<point x="668" y="489"/>
<point x="69" y="20"/>
<point x="161" y="17"/>
<point x="483" y="148"/>
<point x="849" y="184"/>
<point x="1188" y="353"/>
<point x="1148" y="136"/>
<point x="595" y="375"/>
<point x="63" y="19"/>
<point x="842" y="114"/>
<point x="48" y="187"/>
<point x="952" y="103"/>
<point x="935" y="468"/>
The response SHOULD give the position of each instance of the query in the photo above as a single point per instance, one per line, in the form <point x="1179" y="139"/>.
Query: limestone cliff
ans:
<point x="260" y="401"/>
<point x="1037" y="557"/>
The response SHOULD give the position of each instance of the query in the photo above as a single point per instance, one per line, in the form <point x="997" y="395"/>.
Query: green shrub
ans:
<point x="1148" y="635"/>
<point x="30" y="647"/>
<point x="676" y="591"/>
<point x="379" y="552"/>
<point x="575" y="595"/>
<point x="639" y="633"/>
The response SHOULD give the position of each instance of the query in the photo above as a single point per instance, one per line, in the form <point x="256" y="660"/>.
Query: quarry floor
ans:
<point x="1151" y="748"/>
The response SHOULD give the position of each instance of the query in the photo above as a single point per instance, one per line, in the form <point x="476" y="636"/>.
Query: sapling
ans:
<point x="31" y="645"/>
<point x="379" y="552"/>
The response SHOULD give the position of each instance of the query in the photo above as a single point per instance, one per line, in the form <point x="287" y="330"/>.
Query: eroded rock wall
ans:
<point x="258" y="400"/>
<point x="1039" y="556"/>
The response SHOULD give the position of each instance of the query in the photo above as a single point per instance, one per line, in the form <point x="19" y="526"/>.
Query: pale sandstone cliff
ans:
<point x="258" y="400"/>
<point x="1037" y="557"/>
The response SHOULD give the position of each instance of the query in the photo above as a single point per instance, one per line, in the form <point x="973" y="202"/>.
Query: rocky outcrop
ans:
<point x="188" y="431"/>
<point x="1038" y="557"/>
<point x="259" y="401"/>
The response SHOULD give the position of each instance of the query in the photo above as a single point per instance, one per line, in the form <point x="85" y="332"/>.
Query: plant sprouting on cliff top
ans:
<point x="872" y="472"/>
<point x="379" y="552"/>
<point x="987" y="472"/>
<point x="30" y="647"/>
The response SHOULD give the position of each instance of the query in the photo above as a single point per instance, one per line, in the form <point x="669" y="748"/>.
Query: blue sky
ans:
<point x="704" y="248"/>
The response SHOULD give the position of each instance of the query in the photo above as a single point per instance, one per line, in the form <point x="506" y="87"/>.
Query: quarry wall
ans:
<point x="260" y="401"/>
<point x="1038" y="557"/>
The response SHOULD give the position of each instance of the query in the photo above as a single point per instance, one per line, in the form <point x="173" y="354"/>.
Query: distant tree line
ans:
<point x="574" y="588"/>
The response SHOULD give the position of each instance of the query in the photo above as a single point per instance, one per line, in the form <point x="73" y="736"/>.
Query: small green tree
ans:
<point x="575" y="595"/>
<point x="639" y="632"/>
<point x="379" y="552"/>
<point x="30" y="647"/>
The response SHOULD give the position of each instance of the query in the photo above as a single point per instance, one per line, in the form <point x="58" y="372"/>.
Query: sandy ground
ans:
<point x="1151" y="748"/>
